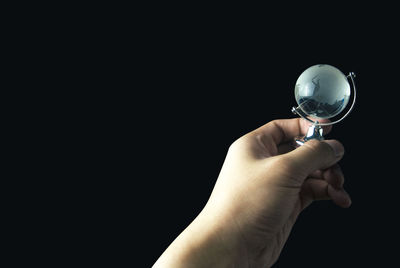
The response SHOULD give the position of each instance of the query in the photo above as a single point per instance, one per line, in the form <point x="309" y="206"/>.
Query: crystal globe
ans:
<point x="322" y="91"/>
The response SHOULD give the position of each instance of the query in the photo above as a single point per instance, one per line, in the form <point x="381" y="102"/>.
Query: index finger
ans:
<point x="284" y="130"/>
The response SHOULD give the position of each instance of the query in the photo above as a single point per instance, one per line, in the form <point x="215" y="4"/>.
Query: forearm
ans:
<point x="204" y="243"/>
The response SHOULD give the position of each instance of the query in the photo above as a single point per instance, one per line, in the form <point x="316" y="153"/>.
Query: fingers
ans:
<point x="324" y="185"/>
<point x="313" y="155"/>
<point x="334" y="176"/>
<point x="316" y="189"/>
<point x="283" y="130"/>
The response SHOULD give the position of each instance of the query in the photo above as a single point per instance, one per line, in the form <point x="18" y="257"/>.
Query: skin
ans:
<point x="263" y="186"/>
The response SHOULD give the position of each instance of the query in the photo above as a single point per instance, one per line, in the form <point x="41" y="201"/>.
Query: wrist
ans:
<point x="207" y="242"/>
<point x="216" y="238"/>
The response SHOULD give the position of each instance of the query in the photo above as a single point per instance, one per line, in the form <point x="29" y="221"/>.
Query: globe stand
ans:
<point x="314" y="132"/>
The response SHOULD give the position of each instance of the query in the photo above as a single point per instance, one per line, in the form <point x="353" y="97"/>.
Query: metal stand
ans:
<point x="314" y="132"/>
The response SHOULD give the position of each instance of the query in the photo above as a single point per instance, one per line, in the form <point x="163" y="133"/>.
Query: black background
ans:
<point x="169" y="91"/>
<point x="215" y="85"/>
<point x="208" y="84"/>
<point x="129" y="112"/>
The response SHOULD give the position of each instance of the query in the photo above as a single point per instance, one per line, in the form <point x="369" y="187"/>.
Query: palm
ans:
<point x="263" y="186"/>
<point x="276" y="199"/>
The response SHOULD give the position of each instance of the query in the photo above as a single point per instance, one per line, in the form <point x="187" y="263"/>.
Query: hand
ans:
<point x="263" y="186"/>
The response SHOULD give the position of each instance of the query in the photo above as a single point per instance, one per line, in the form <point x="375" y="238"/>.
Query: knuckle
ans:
<point x="313" y="144"/>
<point x="286" y="164"/>
<point x="322" y="152"/>
<point x="289" y="169"/>
<point x="319" y="148"/>
<point x="237" y="144"/>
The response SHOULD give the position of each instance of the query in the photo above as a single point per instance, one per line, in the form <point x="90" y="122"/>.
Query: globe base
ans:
<point x="298" y="141"/>
<point x="314" y="133"/>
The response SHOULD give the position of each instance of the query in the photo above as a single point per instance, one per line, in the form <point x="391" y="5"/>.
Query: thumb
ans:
<point x="314" y="155"/>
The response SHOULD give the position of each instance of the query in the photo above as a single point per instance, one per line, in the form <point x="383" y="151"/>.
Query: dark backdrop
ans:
<point x="189" y="87"/>
<point x="141" y="105"/>
<point x="215" y="90"/>
<point x="211" y="89"/>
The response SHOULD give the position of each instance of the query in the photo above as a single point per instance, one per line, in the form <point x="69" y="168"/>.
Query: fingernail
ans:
<point x="336" y="146"/>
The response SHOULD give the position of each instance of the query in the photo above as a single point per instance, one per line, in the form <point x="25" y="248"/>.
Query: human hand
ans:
<point x="262" y="187"/>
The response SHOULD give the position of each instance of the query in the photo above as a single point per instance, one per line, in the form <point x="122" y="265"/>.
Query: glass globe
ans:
<point x="322" y="91"/>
